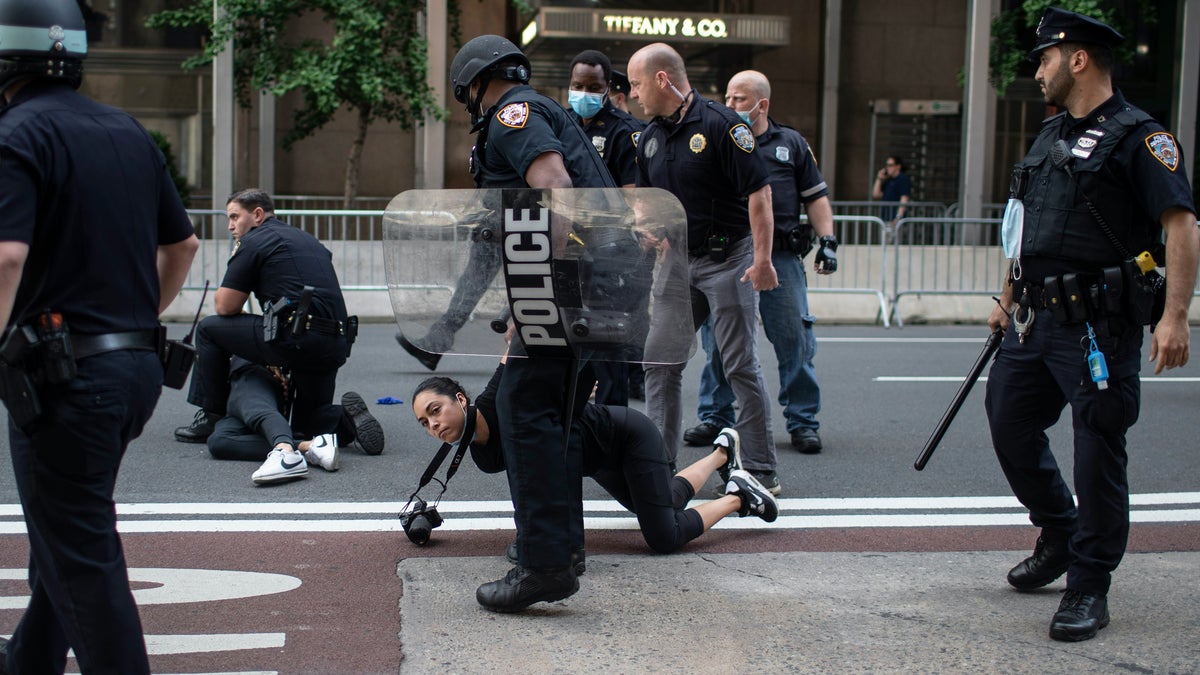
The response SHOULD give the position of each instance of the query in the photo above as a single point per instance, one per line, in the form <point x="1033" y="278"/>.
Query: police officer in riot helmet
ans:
<point x="1087" y="210"/>
<point x="89" y="258"/>
<point x="527" y="140"/>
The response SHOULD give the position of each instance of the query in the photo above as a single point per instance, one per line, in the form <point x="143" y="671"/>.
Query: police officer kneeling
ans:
<point x="304" y="328"/>
<point x="89" y="257"/>
<point x="1098" y="188"/>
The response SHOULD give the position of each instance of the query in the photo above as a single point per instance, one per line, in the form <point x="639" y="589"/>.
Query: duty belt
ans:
<point x="1072" y="298"/>
<point x="323" y="325"/>
<point x="84" y="346"/>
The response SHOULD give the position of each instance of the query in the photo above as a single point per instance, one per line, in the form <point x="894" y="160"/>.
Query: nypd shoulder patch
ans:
<point x="514" y="115"/>
<point x="1162" y="146"/>
<point x="635" y="137"/>
<point x="743" y="137"/>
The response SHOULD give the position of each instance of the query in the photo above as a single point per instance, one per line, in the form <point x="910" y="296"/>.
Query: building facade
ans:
<point x="861" y="79"/>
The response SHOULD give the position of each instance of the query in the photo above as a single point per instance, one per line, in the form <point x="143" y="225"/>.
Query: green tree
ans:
<point x="181" y="186"/>
<point x="374" y="65"/>
<point x="1013" y="32"/>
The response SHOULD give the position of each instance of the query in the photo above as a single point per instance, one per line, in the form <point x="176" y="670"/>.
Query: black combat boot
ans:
<point x="1079" y="617"/>
<point x="522" y="587"/>
<point x="200" y="428"/>
<point x="1050" y="560"/>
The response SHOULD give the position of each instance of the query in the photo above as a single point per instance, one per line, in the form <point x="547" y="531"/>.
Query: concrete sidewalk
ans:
<point x="797" y="613"/>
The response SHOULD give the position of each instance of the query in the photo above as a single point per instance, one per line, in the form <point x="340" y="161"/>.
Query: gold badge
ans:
<point x="697" y="143"/>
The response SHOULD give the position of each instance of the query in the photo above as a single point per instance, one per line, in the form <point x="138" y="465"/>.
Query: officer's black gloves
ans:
<point x="826" y="260"/>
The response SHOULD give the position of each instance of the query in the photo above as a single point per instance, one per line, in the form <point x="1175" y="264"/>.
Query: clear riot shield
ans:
<point x="600" y="272"/>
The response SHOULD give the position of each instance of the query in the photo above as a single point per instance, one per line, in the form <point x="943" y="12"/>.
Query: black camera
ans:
<point x="420" y="521"/>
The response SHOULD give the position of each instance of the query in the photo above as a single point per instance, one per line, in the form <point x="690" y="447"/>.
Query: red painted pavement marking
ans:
<point x="344" y="618"/>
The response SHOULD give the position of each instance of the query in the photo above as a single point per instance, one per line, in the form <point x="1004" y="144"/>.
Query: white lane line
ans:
<point x="940" y="519"/>
<point x="589" y="505"/>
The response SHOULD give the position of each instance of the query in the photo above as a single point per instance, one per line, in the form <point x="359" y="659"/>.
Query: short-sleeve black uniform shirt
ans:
<point x="522" y="126"/>
<point x="795" y="178"/>
<point x="1130" y="178"/>
<point x="87" y="188"/>
<point x="275" y="260"/>
<point x="709" y="162"/>
<point x="614" y="133"/>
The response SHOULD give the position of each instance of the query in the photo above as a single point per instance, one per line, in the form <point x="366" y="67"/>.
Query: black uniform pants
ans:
<point x="1027" y="389"/>
<point x="545" y="479"/>
<point x="253" y="423"/>
<point x="66" y="470"/>
<point x="313" y="358"/>
<point x="637" y="474"/>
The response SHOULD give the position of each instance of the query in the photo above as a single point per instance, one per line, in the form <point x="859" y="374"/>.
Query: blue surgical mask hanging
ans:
<point x="585" y="104"/>
<point x="746" y="114"/>
<point x="1012" y="228"/>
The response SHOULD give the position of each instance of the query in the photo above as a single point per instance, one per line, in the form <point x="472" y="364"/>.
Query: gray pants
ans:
<point x="733" y="304"/>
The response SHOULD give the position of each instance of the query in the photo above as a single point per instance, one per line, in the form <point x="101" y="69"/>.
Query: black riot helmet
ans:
<point x="41" y="38"/>
<point x="485" y="58"/>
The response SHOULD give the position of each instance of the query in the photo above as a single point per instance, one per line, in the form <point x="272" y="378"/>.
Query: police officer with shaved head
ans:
<point x="707" y="156"/>
<point x="527" y="140"/>
<point x="94" y="244"/>
<point x="1088" y="208"/>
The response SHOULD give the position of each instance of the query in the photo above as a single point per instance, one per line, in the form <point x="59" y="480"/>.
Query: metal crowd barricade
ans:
<point x="328" y="203"/>
<point x="945" y="256"/>
<point x="988" y="210"/>
<point x="353" y="237"/>
<point x="862" y="262"/>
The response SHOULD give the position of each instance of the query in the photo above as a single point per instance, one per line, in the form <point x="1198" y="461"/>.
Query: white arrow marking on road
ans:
<point x="157" y="645"/>
<point x="180" y="585"/>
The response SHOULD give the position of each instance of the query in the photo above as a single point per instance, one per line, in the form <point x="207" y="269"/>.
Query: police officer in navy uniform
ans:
<point x="527" y="140"/>
<point x="612" y="131"/>
<point x="614" y="134"/>
<point x="796" y="183"/>
<point x="618" y="94"/>
<point x="704" y="154"/>
<point x="94" y="242"/>
<point x="276" y="261"/>
<point x="1101" y="184"/>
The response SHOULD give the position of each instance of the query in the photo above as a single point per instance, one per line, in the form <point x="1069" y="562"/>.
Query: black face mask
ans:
<point x="475" y="105"/>
<point x="673" y="119"/>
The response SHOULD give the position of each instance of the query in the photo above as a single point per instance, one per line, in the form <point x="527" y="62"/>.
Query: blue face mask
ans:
<point x="584" y="104"/>
<point x="746" y="115"/>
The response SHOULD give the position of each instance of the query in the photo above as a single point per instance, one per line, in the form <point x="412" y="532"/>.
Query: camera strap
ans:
<point x="440" y="456"/>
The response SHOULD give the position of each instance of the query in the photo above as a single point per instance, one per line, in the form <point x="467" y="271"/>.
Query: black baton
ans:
<point x="500" y="323"/>
<point x="989" y="348"/>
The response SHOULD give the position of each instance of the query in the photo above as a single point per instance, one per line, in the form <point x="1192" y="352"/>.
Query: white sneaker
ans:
<point x="280" y="466"/>
<point x="323" y="451"/>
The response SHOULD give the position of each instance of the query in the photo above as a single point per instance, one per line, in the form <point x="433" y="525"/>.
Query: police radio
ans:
<point x="179" y="355"/>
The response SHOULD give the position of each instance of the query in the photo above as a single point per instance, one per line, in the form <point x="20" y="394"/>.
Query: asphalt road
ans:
<point x="315" y="576"/>
<point x="879" y="407"/>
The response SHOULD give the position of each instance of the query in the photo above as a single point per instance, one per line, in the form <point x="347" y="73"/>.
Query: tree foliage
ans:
<point x="374" y="64"/>
<point x="181" y="186"/>
<point x="1013" y="32"/>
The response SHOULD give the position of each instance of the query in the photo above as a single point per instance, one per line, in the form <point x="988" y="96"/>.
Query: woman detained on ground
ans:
<point x="623" y="452"/>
